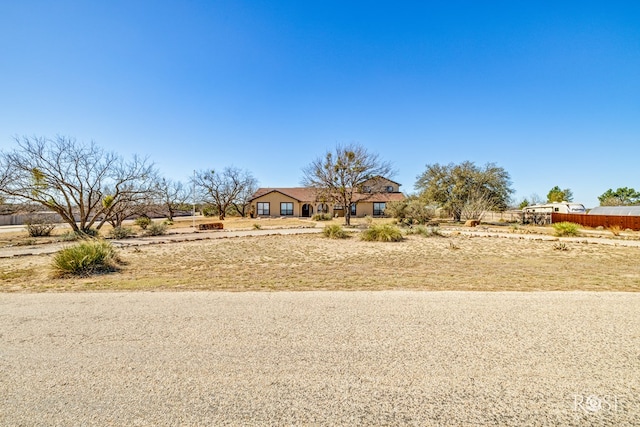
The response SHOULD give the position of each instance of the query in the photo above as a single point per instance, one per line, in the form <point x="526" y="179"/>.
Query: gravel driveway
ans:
<point x="320" y="358"/>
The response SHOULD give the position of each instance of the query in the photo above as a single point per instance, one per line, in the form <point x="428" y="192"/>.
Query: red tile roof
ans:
<point x="307" y="194"/>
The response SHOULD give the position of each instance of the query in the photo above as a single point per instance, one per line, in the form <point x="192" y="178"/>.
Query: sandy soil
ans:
<point x="320" y="358"/>
<point x="479" y="261"/>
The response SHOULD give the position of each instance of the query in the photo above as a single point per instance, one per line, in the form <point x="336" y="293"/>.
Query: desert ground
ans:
<point x="480" y="261"/>
<point x="485" y="327"/>
<point x="320" y="358"/>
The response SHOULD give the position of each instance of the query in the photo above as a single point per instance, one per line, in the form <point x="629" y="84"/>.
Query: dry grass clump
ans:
<point x="86" y="258"/>
<point x="334" y="231"/>
<point x="424" y="231"/>
<point x="313" y="262"/>
<point x="615" y="230"/>
<point x="382" y="233"/>
<point x="564" y="229"/>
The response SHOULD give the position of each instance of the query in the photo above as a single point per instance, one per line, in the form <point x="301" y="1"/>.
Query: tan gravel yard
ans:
<point x="311" y="262"/>
<point x="320" y="358"/>
<point x="324" y="356"/>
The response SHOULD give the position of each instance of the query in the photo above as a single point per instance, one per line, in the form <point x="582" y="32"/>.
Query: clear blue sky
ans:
<point x="548" y="90"/>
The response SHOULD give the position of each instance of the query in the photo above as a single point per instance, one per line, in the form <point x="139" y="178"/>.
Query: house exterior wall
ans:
<point x="274" y="199"/>
<point x="364" y="209"/>
<point x="304" y="201"/>
<point x="382" y="185"/>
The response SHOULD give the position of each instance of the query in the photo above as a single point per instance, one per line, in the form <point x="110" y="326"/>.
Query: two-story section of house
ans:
<point x="371" y="199"/>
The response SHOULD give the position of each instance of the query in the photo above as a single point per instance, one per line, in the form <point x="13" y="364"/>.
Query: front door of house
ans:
<point x="307" y="210"/>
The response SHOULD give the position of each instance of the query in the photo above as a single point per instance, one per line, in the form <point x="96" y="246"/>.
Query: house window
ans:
<point x="366" y="189"/>
<point x="353" y="209"/>
<point x="286" y="208"/>
<point x="263" y="208"/>
<point x="390" y="189"/>
<point x="323" y="208"/>
<point x="378" y="208"/>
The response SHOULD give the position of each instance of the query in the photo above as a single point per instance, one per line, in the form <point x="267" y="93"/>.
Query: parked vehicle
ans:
<point x="541" y="214"/>
<point x="559" y="207"/>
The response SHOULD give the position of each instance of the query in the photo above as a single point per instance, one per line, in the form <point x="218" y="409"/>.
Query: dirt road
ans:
<point x="322" y="358"/>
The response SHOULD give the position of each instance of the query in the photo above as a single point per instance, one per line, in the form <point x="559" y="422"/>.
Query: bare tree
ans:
<point x="477" y="204"/>
<point x="223" y="189"/>
<point x="242" y="201"/>
<point x="80" y="182"/>
<point x="172" y="195"/>
<point x="131" y="205"/>
<point x="338" y="176"/>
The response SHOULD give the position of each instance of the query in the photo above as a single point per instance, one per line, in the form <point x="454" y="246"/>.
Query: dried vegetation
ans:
<point x="312" y="262"/>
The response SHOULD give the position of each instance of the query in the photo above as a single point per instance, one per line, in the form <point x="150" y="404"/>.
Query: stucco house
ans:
<point x="371" y="199"/>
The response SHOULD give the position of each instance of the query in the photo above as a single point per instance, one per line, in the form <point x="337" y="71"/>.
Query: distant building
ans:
<point x="370" y="200"/>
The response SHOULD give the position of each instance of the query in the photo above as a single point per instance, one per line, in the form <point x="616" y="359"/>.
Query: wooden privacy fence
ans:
<point x="624" y="222"/>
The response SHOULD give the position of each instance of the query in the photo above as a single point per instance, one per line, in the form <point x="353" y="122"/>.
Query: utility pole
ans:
<point x="193" y="214"/>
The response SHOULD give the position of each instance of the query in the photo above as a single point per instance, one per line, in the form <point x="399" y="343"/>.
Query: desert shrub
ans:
<point x="566" y="229"/>
<point x="89" y="232"/>
<point x="143" y="222"/>
<point x="382" y="233"/>
<point x="615" y="230"/>
<point x="121" y="232"/>
<point x="334" y="231"/>
<point x="257" y="226"/>
<point x="321" y="217"/>
<point x="409" y="211"/>
<point x="424" y="231"/>
<point x="209" y="210"/>
<point x="86" y="258"/>
<point x="39" y="228"/>
<point x="156" y="229"/>
<point x="69" y="236"/>
<point x="560" y="246"/>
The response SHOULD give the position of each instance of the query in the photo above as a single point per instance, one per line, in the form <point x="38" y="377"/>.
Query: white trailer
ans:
<point x="541" y="214"/>
<point x="559" y="207"/>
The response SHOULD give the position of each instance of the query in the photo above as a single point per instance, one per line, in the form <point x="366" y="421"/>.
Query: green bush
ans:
<point x="334" y="231"/>
<point x="566" y="229"/>
<point x="89" y="232"/>
<point x="382" y="233"/>
<point x="143" y="222"/>
<point x="121" y="232"/>
<point x="321" y="217"/>
<point x="409" y="211"/>
<point x="156" y="229"/>
<point x="209" y="210"/>
<point x="86" y="258"/>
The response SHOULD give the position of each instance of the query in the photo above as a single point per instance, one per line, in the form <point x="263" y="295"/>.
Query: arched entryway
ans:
<point x="307" y="210"/>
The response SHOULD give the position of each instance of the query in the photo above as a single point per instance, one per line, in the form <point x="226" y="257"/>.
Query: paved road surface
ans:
<point x="320" y="358"/>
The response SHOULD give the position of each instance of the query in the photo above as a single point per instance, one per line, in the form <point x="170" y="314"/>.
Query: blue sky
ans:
<point x="550" y="91"/>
